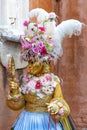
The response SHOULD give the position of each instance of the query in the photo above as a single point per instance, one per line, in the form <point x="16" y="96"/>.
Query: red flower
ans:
<point x="38" y="85"/>
<point x="43" y="51"/>
<point x="42" y="29"/>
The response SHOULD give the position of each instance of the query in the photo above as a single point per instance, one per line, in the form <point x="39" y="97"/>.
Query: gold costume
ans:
<point x="30" y="102"/>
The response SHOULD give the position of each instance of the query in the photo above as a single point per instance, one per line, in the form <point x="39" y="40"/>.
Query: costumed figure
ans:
<point x="40" y="92"/>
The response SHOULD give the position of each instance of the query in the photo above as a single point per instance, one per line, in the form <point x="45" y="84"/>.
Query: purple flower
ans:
<point x="32" y="41"/>
<point x="40" y="44"/>
<point x="26" y="46"/>
<point x="25" y="23"/>
<point x="35" y="50"/>
<point x="61" y="111"/>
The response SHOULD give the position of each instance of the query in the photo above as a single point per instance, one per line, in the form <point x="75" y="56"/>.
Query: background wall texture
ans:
<point x="72" y="67"/>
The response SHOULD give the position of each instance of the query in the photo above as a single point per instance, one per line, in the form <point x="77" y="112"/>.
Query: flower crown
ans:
<point x="43" y="40"/>
<point x="36" y="44"/>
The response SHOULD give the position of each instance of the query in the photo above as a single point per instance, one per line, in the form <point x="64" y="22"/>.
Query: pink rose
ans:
<point x="48" y="77"/>
<point x="40" y="44"/>
<point x="35" y="50"/>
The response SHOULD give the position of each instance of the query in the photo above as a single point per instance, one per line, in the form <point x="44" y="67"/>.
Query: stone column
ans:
<point x="3" y="13"/>
<point x="13" y="13"/>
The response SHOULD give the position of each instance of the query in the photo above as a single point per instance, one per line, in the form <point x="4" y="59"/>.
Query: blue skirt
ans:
<point x="36" y="121"/>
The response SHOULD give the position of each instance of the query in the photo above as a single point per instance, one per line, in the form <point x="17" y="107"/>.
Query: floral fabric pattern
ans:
<point x="39" y="86"/>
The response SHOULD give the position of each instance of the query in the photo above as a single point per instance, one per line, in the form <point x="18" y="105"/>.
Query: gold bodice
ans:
<point x="34" y="104"/>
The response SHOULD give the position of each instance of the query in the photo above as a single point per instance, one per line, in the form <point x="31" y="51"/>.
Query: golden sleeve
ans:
<point x="58" y="95"/>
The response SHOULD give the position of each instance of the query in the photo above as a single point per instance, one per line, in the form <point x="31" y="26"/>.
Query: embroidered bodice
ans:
<point x="39" y="86"/>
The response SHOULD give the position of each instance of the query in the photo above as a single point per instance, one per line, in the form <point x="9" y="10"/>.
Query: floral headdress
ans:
<point x="43" y="39"/>
<point x="37" y="45"/>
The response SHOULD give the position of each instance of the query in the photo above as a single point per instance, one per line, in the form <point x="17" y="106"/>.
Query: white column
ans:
<point x="13" y="13"/>
<point x="22" y="13"/>
<point x="3" y="14"/>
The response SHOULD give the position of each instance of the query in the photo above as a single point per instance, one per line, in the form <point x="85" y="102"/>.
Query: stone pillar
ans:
<point x="19" y="10"/>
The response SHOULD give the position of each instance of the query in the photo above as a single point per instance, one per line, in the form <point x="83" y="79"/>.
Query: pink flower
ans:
<point x="26" y="46"/>
<point x="32" y="41"/>
<point x="35" y="50"/>
<point x="38" y="85"/>
<point x="61" y="111"/>
<point x="31" y="84"/>
<point x="48" y="77"/>
<point x="26" y="79"/>
<point x="25" y="23"/>
<point x="42" y="29"/>
<point x="40" y="44"/>
<point x="60" y="104"/>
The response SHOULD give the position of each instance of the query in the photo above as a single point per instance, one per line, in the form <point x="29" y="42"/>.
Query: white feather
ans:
<point x="50" y="27"/>
<point x="43" y="18"/>
<point x="40" y="13"/>
<point x="32" y="28"/>
<point x="66" y="28"/>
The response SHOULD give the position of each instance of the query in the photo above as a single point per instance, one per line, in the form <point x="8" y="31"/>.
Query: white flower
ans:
<point x="31" y="84"/>
<point x="53" y="83"/>
<point x="23" y="89"/>
<point x="55" y="78"/>
<point x="48" y="83"/>
<point x="47" y="90"/>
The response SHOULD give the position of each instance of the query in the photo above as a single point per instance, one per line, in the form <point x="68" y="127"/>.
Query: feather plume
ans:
<point x="40" y="13"/>
<point x="66" y="28"/>
<point x="44" y="18"/>
<point x="58" y="33"/>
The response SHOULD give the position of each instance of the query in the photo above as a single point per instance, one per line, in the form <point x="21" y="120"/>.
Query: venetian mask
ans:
<point x="38" y="68"/>
<point x="35" y="68"/>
